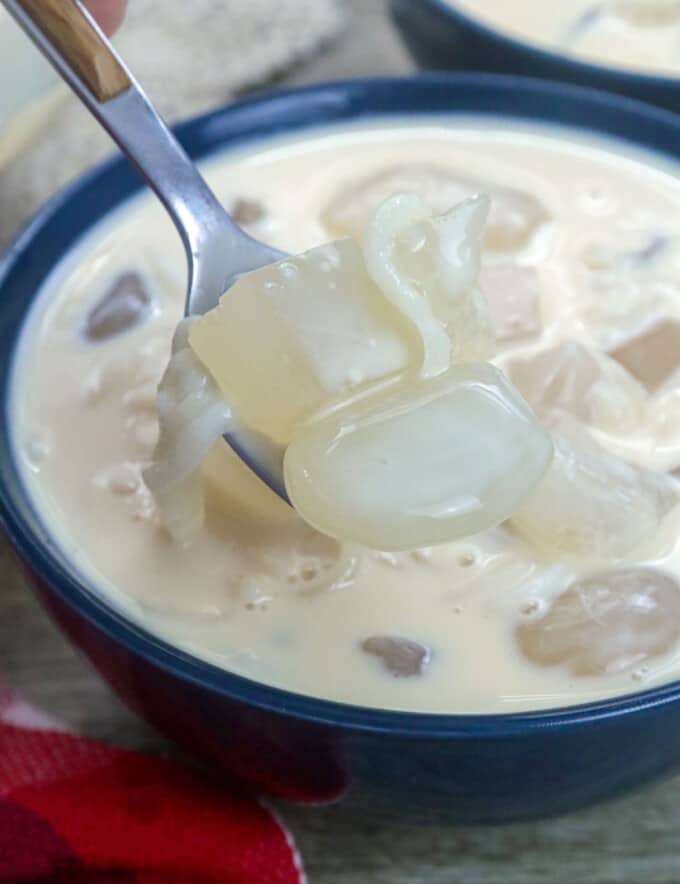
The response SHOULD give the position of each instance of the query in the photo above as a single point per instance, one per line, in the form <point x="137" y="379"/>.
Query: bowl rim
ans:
<point x="547" y="54"/>
<point x="312" y="108"/>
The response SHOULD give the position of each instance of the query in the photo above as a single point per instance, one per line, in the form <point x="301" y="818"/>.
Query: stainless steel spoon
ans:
<point x="217" y="249"/>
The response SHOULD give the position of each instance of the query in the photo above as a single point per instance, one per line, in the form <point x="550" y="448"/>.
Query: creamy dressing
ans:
<point x="259" y="592"/>
<point x="639" y="35"/>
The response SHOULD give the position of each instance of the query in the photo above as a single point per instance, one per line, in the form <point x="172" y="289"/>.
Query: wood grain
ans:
<point x="64" y="23"/>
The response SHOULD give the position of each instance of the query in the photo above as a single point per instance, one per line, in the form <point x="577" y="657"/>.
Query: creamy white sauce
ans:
<point x="260" y="593"/>
<point x="638" y="35"/>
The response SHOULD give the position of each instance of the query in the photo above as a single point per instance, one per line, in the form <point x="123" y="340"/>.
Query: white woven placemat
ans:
<point x="190" y="55"/>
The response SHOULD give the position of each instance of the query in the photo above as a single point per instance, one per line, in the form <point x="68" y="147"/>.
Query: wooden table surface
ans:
<point x="634" y="840"/>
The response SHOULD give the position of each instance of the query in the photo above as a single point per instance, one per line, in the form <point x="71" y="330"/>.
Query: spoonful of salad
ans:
<point x="354" y="380"/>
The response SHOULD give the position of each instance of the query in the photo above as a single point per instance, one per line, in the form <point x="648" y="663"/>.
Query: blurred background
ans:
<point x="190" y="57"/>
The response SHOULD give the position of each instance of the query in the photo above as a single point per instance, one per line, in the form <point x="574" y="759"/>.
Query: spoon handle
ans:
<point x="216" y="248"/>
<point x="81" y="45"/>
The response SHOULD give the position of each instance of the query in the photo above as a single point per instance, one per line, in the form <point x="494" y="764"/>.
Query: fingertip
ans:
<point x="108" y="14"/>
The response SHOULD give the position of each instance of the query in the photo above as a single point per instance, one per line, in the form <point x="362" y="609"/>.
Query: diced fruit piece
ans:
<point x="569" y="378"/>
<point x="648" y="13"/>
<point x="653" y="355"/>
<point x="512" y="294"/>
<point x="246" y="211"/>
<point x="287" y="338"/>
<point x="514" y="218"/>
<point x="591" y="502"/>
<point x="606" y="623"/>
<point x="123" y="306"/>
<point x="418" y="465"/>
<point x="428" y="268"/>
<point x="401" y="657"/>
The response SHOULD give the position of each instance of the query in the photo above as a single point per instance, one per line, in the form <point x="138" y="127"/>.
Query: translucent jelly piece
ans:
<point x="648" y="13"/>
<point x="606" y="623"/>
<point x="428" y="267"/>
<point x="419" y="465"/>
<point x="559" y="378"/>
<point x="123" y="306"/>
<point x="192" y="416"/>
<point x="591" y="502"/>
<point x="569" y="378"/>
<point x="401" y="657"/>
<point x="513" y="298"/>
<point x="285" y="339"/>
<point x="515" y="215"/>
<point x="653" y="355"/>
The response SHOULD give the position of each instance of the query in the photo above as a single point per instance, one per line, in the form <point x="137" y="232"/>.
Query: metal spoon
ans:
<point x="217" y="249"/>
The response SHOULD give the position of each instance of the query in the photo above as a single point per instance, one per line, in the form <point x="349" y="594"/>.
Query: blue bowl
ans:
<point x="466" y="768"/>
<point x="442" y="37"/>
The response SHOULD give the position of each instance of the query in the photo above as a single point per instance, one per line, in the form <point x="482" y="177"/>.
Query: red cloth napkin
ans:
<point x="74" y="811"/>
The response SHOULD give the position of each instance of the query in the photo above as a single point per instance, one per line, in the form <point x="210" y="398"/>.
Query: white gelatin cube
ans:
<point x="419" y="465"/>
<point x="592" y="503"/>
<point x="514" y="217"/>
<point x="428" y="267"/>
<point x="606" y="623"/>
<point x="287" y="338"/>
<point x="569" y="378"/>
<point x="512" y="294"/>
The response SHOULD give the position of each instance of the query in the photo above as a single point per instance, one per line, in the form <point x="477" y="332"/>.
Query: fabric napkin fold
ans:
<point x="76" y="811"/>
<point x="189" y="57"/>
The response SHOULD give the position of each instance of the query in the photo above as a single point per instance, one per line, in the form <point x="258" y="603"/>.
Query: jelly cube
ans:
<point x="569" y="378"/>
<point x="591" y="502"/>
<point x="288" y="337"/>
<point x="420" y="464"/>
<point x="606" y="623"/>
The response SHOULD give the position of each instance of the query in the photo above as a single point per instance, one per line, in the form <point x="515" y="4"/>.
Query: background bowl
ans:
<point x="471" y="769"/>
<point x="440" y="36"/>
